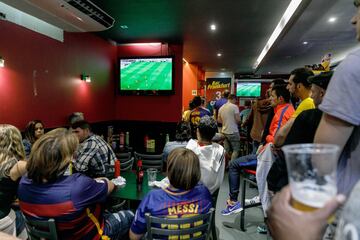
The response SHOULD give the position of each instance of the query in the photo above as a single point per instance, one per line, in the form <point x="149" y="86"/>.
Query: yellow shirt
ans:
<point x="305" y="104"/>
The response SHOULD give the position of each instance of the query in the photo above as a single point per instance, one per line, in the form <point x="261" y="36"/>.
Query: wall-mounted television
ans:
<point x="248" y="89"/>
<point x="146" y="75"/>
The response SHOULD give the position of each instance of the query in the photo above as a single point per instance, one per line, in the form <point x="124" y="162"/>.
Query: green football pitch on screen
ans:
<point x="248" y="89"/>
<point x="146" y="74"/>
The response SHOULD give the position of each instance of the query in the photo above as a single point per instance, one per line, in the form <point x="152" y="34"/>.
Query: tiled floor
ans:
<point x="253" y="218"/>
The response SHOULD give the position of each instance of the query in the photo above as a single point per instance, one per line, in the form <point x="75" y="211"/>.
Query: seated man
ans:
<point x="182" y="136"/>
<point x="75" y="201"/>
<point x="211" y="155"/>
<point x="183" y="197"/>
<point x="283" y="111"/>
<point x="94" y="154"/>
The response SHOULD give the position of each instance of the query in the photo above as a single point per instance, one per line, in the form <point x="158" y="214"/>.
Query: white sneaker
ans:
<point x="253" y="200"/>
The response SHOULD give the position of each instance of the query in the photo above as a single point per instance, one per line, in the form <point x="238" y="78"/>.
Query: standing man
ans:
<point x="93" y="154"/>
<point x="229" y="117"/>
<point x="299" y="87"/>
<point x="196" y="114"/>
<point x="219" y="103"/>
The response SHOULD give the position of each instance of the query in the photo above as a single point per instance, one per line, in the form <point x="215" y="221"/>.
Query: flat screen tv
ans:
<point x="248" y="89"/>
<point x="147" y="75"/>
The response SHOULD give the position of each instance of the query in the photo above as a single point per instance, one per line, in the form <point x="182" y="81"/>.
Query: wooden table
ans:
<point x="131" y="191"/>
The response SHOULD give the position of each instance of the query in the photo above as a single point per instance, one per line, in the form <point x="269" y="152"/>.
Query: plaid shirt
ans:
<point x="92" y="156"/>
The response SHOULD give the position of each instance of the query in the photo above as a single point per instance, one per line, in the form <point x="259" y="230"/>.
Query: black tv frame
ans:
<point x="146" y="92"/>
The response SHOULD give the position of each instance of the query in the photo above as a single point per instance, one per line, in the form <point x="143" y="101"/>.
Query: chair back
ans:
<point x="126" y="161"/>
<point x="41" y="229"/>
<point x="195" y="227"/>
<point x="150" y="161"/>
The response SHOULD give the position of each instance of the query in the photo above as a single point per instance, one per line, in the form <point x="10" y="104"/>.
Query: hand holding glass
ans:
<point x="312" y="174"/>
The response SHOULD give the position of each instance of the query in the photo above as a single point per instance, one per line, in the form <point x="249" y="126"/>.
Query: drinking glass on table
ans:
<point x="312" y="174"/>
<point x="151" y="173"/>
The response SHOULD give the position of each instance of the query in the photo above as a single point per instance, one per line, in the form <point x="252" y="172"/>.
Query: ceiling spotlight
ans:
<point x="2" y="62"/>
<point x="223" y="69"/>
<point x="269" y="72"/>
<point x="332" y="19"/>
<point x="213" y="27"/>
<point x="219" y="54"/>
<point x="124" y="27"/>
<point x="305" y="43"/>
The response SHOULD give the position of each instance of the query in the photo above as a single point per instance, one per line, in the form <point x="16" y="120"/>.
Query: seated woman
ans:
<point x="75" y="201"/>
<point x="33" y="131"/>
<point x="11" y="169"/>
<point x="183" y="135"/>
<point x="184" y="193"/>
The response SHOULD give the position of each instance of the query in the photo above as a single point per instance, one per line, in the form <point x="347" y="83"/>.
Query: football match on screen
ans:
<point x="146" y="74"/>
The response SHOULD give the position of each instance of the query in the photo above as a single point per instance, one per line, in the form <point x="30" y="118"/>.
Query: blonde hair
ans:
<point x="11" y="148"/>
<point x="51" y="154"/>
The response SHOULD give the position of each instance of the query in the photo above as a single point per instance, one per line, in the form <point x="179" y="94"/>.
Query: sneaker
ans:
<point x="230" y="209"/>
<point x="262" y="229"/>
<point x="253" y="200"/>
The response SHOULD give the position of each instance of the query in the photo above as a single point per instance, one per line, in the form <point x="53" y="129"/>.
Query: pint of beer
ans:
<point x="312" y="174"/>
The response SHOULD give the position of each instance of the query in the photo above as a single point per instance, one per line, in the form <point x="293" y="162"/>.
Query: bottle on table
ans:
<point x="146" y="139"/>
<point x="139" y="172"/>
<point x="117" y="168"/>
<point x="167" y="138"/>
<point x="127" y="139"/>
<point x="122" y="140"/>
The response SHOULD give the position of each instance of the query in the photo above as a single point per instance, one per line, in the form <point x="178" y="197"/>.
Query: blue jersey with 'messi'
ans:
<point x="172" y="204"/>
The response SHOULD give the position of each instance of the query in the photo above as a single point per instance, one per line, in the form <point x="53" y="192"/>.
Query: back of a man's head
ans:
<point x="226" y="93"/>
<point x="196" y="101"/>
<point x="232" y="97"/>
<point x="207" y="128"/>
<point x="81" y="124"/>
<point x="301" y="75"/>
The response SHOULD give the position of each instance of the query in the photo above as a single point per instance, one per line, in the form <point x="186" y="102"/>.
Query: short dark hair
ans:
<point x="301" y="75"/>
<point x="183" y="169"/>
<point x="197" y="101"/>
<point x="226" y="93"/>
<point x="207" y="128"/>
<point x="51" y="155"/>
<point x="81" y="124"/>
<point x="232" y="96"/>
<point x="75" y="117"/>
<point x="183" y="131"/>
<point x="357" y="3"/>
<point x="278" y="81"/>
<point x="281" y="91"/>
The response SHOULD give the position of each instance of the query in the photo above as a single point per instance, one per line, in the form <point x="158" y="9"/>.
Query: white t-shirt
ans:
<point x="212" y="163"/>
<point x="227" y="113"/>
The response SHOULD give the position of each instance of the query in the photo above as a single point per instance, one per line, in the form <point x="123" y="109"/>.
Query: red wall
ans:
<point x="152" y="108"/>
<point x="41" y="77"/>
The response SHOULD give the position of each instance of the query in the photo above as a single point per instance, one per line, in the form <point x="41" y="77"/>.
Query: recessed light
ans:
<point x="305" y="43"/>
<point x="124" y="27"/>
<point x="219" y="54"/>
<point x="213" y="27"/>
<point x="269" y="72"/>
<point x="223" y="69"/>
<point x="332" y="19"/>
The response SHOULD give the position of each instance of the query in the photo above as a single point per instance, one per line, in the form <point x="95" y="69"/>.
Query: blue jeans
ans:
<point x="117" y="225"/>
<point x="235" y="168"/>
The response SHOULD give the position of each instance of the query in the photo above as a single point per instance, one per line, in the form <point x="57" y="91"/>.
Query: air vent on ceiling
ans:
<point x="69" y="15"/>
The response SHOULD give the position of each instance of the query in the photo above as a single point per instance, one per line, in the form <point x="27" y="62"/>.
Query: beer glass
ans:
<point x="312" y="174"/>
